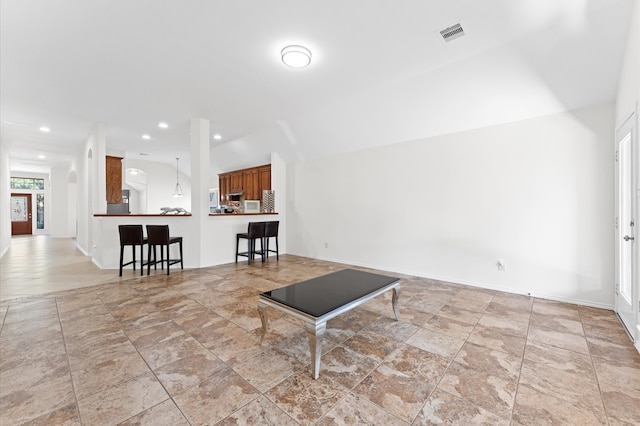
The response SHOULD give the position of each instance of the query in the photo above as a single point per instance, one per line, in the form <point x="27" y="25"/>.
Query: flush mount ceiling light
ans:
<point x="45" y="129"/>
<point x="146" y="137"/>
<point x="42" y="156"/>
<point x="296" y="56"/>
<point x="163" y="125"/>
<point x="217" y="136"/>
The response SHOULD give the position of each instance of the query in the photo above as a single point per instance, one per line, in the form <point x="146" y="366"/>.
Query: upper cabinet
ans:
<point x="251" y="182"/>
<point x="236" y="182"/>
<point x="225" y="184"/>
<point x="114" y="179"/>
<point x="264" y="176"/>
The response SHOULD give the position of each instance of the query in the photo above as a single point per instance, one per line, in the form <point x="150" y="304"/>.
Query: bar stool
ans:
<point x="158" y="235"/>
<point x="131" y="235"/>
<point x="254" y="232"/>
<point x="271" y="231"/>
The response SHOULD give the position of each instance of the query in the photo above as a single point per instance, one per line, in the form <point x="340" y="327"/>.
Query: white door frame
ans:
<point x="627" y="231"/>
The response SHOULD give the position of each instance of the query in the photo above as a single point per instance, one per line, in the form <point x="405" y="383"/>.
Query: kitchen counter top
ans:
<point x="212" y="242"/>
<point x="175" y="215"/>
<point x="140" y="215"/>
<point x="240" y="214"/>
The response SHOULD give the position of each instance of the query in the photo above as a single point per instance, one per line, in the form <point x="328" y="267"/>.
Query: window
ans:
<point x="27" y="183"/>
<point x="40" y="211"/>
<point x="213" y="200"/>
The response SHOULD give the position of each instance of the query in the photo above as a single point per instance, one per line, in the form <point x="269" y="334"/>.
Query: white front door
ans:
<point x="626" y="224"/>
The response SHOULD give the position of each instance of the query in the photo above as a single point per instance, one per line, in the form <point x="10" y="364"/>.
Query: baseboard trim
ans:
<point x="95" y="262"/>
<point x="574" y="301"/>
<point x="545" y="296"/>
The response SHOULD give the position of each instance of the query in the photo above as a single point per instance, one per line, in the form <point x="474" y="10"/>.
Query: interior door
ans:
<point x="21" y="214"/>
<point x="626" y="224"/>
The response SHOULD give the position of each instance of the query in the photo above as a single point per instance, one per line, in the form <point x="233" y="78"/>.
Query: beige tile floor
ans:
<point x="39" y="264"/>
<point x="185" y="349"/>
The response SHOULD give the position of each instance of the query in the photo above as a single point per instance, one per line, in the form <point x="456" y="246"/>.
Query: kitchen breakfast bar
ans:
<point x="208" y="240"/>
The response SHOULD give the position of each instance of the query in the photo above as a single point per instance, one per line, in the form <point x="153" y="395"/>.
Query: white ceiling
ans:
<point x="379" y="74"/>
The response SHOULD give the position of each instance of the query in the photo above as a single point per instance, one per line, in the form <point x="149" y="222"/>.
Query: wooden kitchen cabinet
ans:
<point x="264" y="179"/>
<point x="236" y="182"/>
<point x="250" y="184"/>
<point x="224" y="181"/>
<point x="114" y="179"/>
<point x="251" y="181"/>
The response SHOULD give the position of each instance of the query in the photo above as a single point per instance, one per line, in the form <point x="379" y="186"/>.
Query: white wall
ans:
<point x="537" y="193"/>
<point x="90" y="167"/>
<point x="629" y="83"/>
<point x="253" y="150"/>
<point x="82" y="210"/>
<point x="137" y="186"/>
<point x="279" y="186"/>
<point x="627" y="101"/>
<point x="72" y="204"/>
<point x="160" y="183"/>
<point x="58" y="204"/>
<point x="5" y="196"/>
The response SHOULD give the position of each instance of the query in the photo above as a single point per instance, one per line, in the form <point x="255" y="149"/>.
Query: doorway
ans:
<point x="625" y="296"/>
<point x="21" y="214"/>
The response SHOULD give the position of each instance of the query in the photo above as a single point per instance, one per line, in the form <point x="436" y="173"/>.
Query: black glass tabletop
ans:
<point x="321" y="295"/>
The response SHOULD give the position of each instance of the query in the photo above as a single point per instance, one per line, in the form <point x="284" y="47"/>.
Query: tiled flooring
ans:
<point x="185" y="349"/>
<point x="39" y="264"/>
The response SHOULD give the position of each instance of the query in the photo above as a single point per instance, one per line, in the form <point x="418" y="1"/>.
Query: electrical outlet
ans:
<point x="500" y="264"/>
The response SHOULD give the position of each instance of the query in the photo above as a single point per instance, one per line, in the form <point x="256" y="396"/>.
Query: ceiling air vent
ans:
<point x="452" y="32"/>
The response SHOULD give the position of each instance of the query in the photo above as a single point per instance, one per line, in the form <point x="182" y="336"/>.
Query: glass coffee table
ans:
<point x="317" y="300"/>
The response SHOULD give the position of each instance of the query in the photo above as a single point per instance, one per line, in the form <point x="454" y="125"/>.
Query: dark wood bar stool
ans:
<point x="254" y="232"/>
<point x="158" y="235"/>
<point x="131" y="235"/>
<point x="271" y="231"/>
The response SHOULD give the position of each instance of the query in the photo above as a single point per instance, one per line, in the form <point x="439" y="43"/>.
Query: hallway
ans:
<point x="39" y="264"/>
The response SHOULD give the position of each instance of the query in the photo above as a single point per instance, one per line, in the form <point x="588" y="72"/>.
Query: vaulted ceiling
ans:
<point x="380" y="72"/>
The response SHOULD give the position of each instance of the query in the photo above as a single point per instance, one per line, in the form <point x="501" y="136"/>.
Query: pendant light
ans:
<point x="177" y="193"/>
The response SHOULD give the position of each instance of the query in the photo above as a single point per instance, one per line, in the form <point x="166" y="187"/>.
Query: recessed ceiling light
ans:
<point x="133" y="172"/>
<point x="217" y="136"/>
<point x="163" y="125"/>
<point x="45" y="129"/>
<point x="296" y="56"/>
<point x="146" y="137"/>
<point x="42" y="156"/>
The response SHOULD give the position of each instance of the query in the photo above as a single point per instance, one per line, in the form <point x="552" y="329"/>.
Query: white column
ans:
<point x="200" y="181"/>
<point x="5" y="195"/>
<point x="100" y="156"/>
